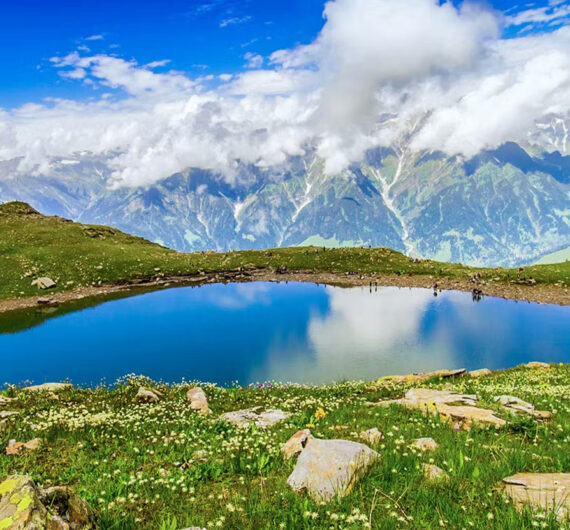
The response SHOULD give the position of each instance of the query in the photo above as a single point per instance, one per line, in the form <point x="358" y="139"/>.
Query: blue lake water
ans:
<point x="297" y="332"/>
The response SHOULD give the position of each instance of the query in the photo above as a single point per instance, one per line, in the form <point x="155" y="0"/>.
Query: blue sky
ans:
<point x="198" y="37"/>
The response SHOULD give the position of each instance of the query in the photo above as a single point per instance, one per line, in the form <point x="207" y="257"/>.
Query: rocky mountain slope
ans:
<point x="508" y="206"/>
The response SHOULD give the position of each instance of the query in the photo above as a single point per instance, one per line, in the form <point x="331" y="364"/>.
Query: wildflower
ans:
<point x="320" y="413"/>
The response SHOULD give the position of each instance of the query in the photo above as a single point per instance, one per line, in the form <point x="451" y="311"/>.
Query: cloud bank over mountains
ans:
<point x="378" y="70"/>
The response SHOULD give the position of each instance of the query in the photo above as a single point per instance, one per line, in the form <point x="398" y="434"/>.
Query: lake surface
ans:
<point x="297" y="332"/>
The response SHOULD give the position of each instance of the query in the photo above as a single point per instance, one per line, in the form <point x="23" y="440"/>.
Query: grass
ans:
<point x="163" y="466"/>
<point x="76" y="255"/>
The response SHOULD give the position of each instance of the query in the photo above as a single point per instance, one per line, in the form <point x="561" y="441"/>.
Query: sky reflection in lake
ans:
<point x="286" y="332"/>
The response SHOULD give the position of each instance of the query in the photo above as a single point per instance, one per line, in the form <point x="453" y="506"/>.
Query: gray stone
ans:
<point x="518" y="406"/>
<point x="434" y="473"/>
<point x="147" y="396"/>
<point x="425" y="444"/>
<point x="44" y="283"/>
<point x="372" y="436"/>
<point x="258" y="415"/>
<point x="330" y="468"/>
<point x="451" y="406"/>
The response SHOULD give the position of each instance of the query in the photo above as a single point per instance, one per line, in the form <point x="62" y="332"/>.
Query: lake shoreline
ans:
<point x="541" y="293"/>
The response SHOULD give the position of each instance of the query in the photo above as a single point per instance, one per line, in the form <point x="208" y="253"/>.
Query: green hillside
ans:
<point x="76" y="255"/>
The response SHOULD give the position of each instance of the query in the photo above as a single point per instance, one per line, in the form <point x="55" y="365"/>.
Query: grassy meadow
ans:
<point x="163" y="466"/>
<point x="77" y="255"/>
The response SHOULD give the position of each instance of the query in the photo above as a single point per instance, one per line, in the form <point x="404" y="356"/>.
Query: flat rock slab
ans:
<point x="258" y="415"/>
<point x="329" y="468"/>
<point x="451" y="406"/>
<point x="47" y="387"/>
<point x="518" y="406"/>
<point x="547" y="491"/>
<point x="44" y="283"/>
<point x="479" y="373"/>
<point x="415" y="378"/>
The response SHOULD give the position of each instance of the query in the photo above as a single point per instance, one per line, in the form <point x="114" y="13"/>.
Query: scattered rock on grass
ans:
<point x="450" y="406"/>
<point x="24" y="506"/>
<point x="296" y="443"/>
<point x="434" y="473"/>
<point x="479" y="373"/>
<point x="198" y="400"/>
<point x="147" y="396"/>
<point x="415" y="378"/>
<point x="330" y="468"/>
<point x="48" y="387"/>
<point x="425" y="444"/>
<point x="14" y="447"/>
<point x="258" y="415"/>
<point x="372" y="436"/>
<point x="537" y="364"/>
<point x="44" y="283"/>
<point x="547" y="491"/>
<point x="518" y="406"/>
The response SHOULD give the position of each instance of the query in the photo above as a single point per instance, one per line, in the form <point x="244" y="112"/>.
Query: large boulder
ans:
<point x="451" y="406"/>
<point x="198" y="400"/>
<point x="546" y="491"/>
<point x="24" y="506"/>
<point x="258" y="415"/>
<point x="20" y="504"/>
<point x="479" y="373"/>
<point x="330" y="468"/>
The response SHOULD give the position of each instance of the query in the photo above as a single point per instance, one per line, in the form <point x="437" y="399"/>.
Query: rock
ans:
<point x="296" y="443"/>
<point x="518" y="406"/>
<point x="147" y="396"/>
<point x="14" y="448"/>
<point x="548" y="491"/>
<point x="48" y="387"/>
<point x="434" y="473"/>
<point x="479" y="373"/>
<point x="71" y="510"/>
<point x="20" y="504"/>
<point x="537" y="364"/>
<point x="425" y="444"/>
<point x="372" y="436"/>
<point x="7" y="413"/>
<point x="44" y="301"/>
<point x="449" y="405"/>
<point x="415" y="378"/>
<point x="261" y="417"/>
<point x="44" y="283"/>
<point x="5" y="400"/>
<point x="198" y="400"/>
<point x="330" y="468"/>
<point x="24" y="506"/>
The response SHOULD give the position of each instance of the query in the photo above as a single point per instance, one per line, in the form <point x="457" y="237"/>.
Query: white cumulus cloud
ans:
<point x="377" y="70"/>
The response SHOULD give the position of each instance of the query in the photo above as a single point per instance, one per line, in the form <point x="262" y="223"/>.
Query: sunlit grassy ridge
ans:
<point x="75" y="255"/>
<point x="163" y="466"/>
